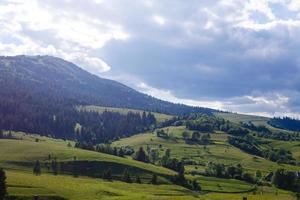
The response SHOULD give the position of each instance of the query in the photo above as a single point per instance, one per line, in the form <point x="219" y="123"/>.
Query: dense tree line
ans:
<point x="287" y="180"/>
<point x="285" y="123"/>
<point x="88" y="128"/>
<point x="247" y="143"/>
<point x="279" y="155"/>
<point x="204" y="123"/>
<point x="197" y="137"/>
<point x="234" y="171"/>
<point x="263" y="131"/>
<point x="207" y="123"/>
<point x="259" y="128"/>
<point x="250" y="145"/>
<point x="283" y="136"/>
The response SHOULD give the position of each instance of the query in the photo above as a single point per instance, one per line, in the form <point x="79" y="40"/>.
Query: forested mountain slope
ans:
<point x="46" y="79"/>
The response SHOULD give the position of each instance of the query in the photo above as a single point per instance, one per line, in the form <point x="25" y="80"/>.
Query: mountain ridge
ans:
<point x="73" y="79"/>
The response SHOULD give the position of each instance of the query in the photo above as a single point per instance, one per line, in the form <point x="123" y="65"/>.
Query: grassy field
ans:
<point x="236" y="118"/>
<point x="27" y="185"/>
<point x="159" y="117"/>
<point x="68" y="187"/>
<point x="219" y="152"/>
<point x="293" y="146"/>
<point x="256" y="120"/>
<point x="21" y="154"/>
<point x="24" y="184"/>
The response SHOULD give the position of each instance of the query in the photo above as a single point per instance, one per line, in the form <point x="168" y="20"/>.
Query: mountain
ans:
<point x="41" y="94"/>
<point x="51" y="78"/>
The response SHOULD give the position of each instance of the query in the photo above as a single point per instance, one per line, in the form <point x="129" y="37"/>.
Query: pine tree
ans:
<point x="141" y="155"/>
<point x="196" y="185"/>
<point x="3" y="189"/>
<point x="54" y="166"/>
<point x="138" y="179"/>
<point x="37" y="168"/>
<point x="154" y="179"/>
<point x="126" y="177"/>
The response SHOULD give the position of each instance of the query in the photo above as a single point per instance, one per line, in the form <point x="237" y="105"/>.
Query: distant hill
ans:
<point x="32" y="79"/>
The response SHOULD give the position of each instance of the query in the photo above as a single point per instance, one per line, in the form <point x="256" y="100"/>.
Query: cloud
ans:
<point x="31" y="27"/>
<point x="159" y="20"/>
<point x="238" y="55"/>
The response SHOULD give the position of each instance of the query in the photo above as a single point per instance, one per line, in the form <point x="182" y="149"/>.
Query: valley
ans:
<point x="95" y="138"/>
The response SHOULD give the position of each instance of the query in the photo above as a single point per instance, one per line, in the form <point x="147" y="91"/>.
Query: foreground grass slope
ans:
<point x="25" y="185"/>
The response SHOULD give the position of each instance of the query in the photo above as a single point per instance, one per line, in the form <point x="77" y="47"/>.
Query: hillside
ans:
<point x="49" y="79"/>
<point x="18" y="157"/>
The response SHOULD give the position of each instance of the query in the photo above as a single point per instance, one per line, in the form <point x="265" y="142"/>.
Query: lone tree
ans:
<point x="154" y="179"/>
<point x="3" y="190"/>
<point x="196" y="186"/>
<point x="54" y="166"/>
<point x="195" y="136"/>
<point x="138" y="179"/>
<point x="126" y="177"/>
<point x="185" y="135"/>
<point x="141" y="155"/>
<point x="37" y="168"/>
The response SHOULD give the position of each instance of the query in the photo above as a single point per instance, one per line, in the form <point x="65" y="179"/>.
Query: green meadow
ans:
<point x="17" y="158"/>
<point x="219" y="152"/>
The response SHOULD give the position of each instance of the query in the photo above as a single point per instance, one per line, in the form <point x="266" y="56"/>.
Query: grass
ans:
<point x="219" y="152"/>
<point x="256" y="120"/>
<point x="24" y="184"/>
<point x="293" y="146"/>
<point x="159" y="116"/>
<point x="68" y="187"/>
<point x="236" y="118"/>
<point x="21" y="154"/>
<point x="27" y="185"/>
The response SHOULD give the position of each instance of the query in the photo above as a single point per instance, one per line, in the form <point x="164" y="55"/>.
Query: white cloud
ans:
<point x="159" y="20"/>
<point x="294" y="5"/>
<point x="63" y="33"/>
<point x="93" y="65"/>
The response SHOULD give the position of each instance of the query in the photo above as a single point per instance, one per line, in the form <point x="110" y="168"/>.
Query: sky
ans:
<point x="234" y="55"/>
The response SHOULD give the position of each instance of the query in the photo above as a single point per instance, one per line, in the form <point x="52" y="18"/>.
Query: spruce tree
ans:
<point x="141" y="155"/>
<point x="138" y="179"/>
<point x="126" y="177"/>
<point x="37" y="168"/>
<point x="196" y="185"/>
<point x="154" y="179"/>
